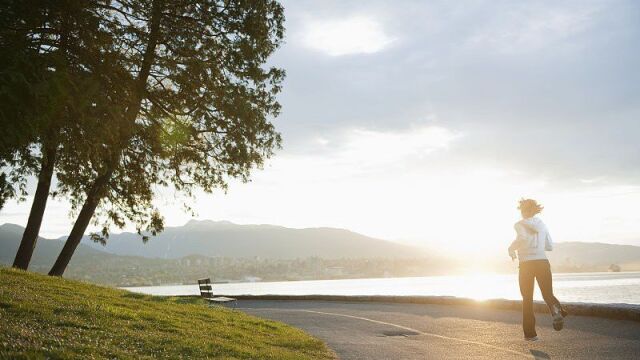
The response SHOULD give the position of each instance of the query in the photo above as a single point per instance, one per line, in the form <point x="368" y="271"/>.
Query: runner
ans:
<point x="532" y="240"/>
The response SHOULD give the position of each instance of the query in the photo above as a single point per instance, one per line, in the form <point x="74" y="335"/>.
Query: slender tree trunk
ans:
<point x="97" y="190"/>
<point x="31" y="232"/>
<point x="80" y="226"/>
<point x="49" y="155"/>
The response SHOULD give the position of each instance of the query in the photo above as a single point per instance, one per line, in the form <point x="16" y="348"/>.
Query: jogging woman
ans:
<point x="532" y="240"/>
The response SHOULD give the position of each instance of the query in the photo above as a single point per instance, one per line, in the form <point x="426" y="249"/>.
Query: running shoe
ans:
<point x="558" y="318"/>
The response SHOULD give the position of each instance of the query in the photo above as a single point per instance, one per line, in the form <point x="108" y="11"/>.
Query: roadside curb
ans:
<point x="610" y="311"/>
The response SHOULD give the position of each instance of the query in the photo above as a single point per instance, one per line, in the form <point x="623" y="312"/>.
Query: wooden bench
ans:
<point x="206" y="291"/>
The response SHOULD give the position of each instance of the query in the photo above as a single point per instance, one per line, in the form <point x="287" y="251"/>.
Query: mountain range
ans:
<point x="46" y="250"/>
<point x="125" y="253"/>
<point x="226" y="239"/>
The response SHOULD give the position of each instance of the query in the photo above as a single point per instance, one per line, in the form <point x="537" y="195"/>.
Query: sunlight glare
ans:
<point x="353" y="35"/>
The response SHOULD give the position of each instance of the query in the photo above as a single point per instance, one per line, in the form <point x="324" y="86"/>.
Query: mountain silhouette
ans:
<point x="226" y="239"/>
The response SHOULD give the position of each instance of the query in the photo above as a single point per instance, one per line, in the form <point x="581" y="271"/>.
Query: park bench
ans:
<point x="206" y="291"/>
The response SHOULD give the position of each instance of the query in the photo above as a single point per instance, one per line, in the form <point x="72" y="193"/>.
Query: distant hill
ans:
<point x="46" y="250"/>
<point x="578" y="255"/>
<point x="250" y="256"/>
<point x="225" y="239"/>
<point x="218" y="239"/>
<point x="230" y="252"/>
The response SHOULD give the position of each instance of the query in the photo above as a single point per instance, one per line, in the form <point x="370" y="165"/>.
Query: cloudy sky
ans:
<point x="425" y="121"/>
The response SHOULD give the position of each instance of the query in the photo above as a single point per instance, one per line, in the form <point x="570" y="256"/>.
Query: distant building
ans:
<point x="614" y="268"/>
<point x="334" y="271"/>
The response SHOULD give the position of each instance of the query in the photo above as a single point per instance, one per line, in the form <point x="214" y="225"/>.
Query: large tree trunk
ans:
<point x="80" y="226"/>
<point x="31" y="232"/>
<point x="97" y="190"/>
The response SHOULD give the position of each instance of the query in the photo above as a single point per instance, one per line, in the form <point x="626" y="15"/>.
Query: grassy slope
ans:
<point x="45" y="317"/>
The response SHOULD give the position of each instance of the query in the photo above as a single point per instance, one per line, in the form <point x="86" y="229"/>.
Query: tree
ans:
<point x="198" y="109"/>
<point x="50" y="91"/>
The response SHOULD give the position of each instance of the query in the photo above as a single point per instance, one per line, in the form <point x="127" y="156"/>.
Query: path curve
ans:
<point x="362" y="331"/>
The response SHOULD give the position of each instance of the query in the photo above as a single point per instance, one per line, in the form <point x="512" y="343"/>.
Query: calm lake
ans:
<point x="621" y="287"/>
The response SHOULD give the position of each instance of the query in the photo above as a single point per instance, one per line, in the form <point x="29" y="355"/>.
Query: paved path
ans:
<point x="417" y="331"/>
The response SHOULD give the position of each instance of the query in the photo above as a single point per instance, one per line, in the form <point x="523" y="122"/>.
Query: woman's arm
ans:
<point x="548" y="242"/>
<point x="523" y="238"/>
<point x="515" y="245"/>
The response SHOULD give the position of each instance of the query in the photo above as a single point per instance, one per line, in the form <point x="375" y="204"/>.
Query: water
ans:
<point x="580" y="287"/>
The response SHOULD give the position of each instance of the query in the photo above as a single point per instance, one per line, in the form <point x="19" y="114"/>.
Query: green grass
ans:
<point x="45" y="317"/>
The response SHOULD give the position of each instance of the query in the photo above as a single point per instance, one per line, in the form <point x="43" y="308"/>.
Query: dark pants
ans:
<point x="530" y="270"/>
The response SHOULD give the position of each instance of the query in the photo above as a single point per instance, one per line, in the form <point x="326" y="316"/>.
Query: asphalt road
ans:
<point x="417" y="331"/>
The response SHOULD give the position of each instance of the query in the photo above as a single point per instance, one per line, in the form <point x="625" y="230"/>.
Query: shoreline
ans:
<point x="514" y="273"/>
<point x="603" y="288"/>
<point x="620" y="311"/>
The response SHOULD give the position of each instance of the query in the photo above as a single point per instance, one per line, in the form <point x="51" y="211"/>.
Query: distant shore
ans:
<point x="601" y="288"/>
<point x="609" y="311"/>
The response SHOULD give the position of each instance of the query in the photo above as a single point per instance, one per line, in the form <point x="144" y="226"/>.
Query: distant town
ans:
<point x="149" y="272"/>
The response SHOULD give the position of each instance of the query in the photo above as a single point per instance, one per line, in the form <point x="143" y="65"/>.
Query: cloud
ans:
<point x="531" y="28"/>
<point x="569" y="79"/>
<point x="352" y="35"/>
<point x="361" y="149"/>
<point x="364" y="147"/>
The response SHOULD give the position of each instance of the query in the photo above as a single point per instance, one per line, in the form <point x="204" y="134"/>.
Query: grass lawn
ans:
<point x="46" y="317"/>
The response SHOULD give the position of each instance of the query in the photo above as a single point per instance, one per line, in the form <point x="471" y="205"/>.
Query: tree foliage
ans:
<point x="134" y="95"/>
<point x="204" y="106"/>
<point x="49" y="92"/>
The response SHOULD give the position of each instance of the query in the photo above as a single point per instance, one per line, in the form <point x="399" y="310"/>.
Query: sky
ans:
<point x="425" y="121"/>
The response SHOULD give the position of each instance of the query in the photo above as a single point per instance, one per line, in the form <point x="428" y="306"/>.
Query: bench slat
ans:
<point x="221" y="299"/>
<point x="207" y="294"/>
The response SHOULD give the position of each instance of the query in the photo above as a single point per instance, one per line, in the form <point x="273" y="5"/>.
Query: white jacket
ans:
<point x="532" y="240"/>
